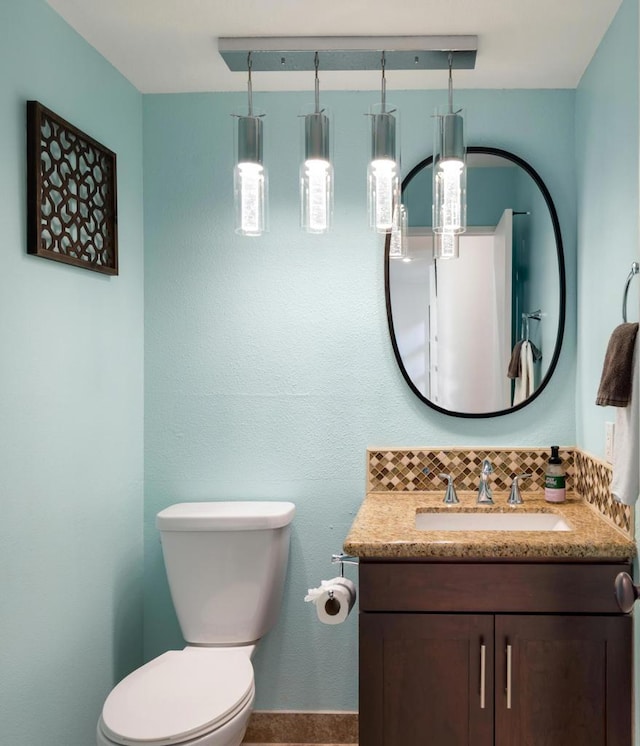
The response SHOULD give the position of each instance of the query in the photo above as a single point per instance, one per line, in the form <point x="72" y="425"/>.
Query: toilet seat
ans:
<point x="178" y="696"/>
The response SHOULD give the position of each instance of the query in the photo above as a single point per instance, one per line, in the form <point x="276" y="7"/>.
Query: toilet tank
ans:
<point x="226" y="563"/>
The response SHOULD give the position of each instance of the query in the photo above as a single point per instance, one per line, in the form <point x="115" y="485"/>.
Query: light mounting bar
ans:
<point x="297" y="53"/>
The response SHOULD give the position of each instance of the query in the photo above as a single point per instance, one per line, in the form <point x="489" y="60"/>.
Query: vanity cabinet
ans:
<point x="570" y="680"/>
<point x="493" y="654"/>
<point x="420" y="679"/>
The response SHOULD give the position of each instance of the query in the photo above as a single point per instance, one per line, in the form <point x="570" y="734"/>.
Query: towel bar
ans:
<point x="526" y="317"/>
<point x="635" y="268"/>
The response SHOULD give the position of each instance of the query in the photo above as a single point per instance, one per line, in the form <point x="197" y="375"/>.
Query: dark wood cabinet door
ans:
<point x="569" y="682"/>
<point x="421" y="680"/>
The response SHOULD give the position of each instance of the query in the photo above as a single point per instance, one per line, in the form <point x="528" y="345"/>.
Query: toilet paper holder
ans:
<point x="335" y="598"/>
<point x="343" y="559"/>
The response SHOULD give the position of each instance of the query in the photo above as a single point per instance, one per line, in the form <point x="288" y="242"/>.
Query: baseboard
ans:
<point x="279" y="726"/>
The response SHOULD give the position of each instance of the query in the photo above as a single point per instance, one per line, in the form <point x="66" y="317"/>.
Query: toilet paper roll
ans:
<point x="333" y="600"/>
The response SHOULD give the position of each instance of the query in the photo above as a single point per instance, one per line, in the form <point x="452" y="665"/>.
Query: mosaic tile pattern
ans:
<point x="418" y="470"/>
<point x="593" y="478"/>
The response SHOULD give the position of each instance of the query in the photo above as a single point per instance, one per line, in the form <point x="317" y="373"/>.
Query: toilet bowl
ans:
<point x="226" y="564"/>
<point x="191" y="697"/>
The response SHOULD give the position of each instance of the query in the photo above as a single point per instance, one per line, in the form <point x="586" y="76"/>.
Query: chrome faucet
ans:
<point x="450" y="498"/>
<point x="485" y="494"/>
<point x="515" y="498"/>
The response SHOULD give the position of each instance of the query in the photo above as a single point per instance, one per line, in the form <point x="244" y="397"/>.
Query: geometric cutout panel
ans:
<point x="71" y="185"/>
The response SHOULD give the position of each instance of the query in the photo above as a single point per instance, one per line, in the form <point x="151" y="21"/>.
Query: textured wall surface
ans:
<point x="268" y="364"/>
<point x="607" y="194"/>
<point x="70" y="408"/>
<point x="607" y="152"/>
<point x="269" y="369"/>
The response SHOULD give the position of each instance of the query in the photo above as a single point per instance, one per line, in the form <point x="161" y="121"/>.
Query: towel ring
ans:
<point x="635" y="269"/>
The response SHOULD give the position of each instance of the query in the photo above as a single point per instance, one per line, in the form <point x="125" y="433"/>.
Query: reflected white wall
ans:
<point x="455" y="343"/>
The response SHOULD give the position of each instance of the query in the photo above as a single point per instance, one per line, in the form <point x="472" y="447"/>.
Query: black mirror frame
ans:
<point x="562" y="277"/>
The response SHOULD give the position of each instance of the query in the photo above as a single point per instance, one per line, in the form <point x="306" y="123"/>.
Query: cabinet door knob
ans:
<point x="626" y="592"/>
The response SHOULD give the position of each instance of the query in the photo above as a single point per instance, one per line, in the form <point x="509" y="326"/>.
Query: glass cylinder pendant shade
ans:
<point x="250" y="178"/>
<point x="316" y="174"/>
<point x="449" y="174"/>
<point x="383" y="174"/>
<point x="398" y="248"/>
<point x="446" y="245"/>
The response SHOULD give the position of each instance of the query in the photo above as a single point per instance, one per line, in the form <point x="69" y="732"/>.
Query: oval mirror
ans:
<point x="480" y="335"/>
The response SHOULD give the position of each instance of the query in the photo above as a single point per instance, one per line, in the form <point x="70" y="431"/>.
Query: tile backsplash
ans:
<point x="593" y="480"/>
<point x="416" y="469"/>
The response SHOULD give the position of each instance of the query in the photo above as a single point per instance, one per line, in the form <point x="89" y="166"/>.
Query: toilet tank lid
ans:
<point x="239" y="515"/>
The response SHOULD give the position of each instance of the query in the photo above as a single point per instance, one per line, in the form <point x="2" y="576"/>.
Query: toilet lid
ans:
<point x="179" y="695"/>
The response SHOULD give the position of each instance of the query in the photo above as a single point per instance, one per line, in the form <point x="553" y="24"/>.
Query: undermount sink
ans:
<point x="481" y="521"/>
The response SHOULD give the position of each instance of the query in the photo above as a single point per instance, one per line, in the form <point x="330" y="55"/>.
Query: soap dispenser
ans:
<point x="554" y="480"/>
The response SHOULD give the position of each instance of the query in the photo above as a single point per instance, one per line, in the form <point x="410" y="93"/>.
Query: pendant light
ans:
<point x="383" y="174"/>
<point x="398" y="243"/>
<point x="449" y="170"/>
<point x="446" y="245"/>
<point x="316" y="171"/>
<point x="250" y="176"/>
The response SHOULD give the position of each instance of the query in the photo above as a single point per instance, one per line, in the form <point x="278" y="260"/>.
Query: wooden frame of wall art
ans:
<point x="72" y="214"/>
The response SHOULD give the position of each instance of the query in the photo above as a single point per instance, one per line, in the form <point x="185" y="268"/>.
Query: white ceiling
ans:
<point x="167" y="46"/>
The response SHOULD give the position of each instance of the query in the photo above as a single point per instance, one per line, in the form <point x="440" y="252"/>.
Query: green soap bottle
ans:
<point x="555" y="490"/>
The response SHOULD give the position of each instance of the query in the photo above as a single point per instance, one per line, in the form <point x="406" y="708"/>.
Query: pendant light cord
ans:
<point x="316" y="62"/>
<point x="249" y="84"/>
<point x="383" y="62"/>
<point x="450" y="84"/>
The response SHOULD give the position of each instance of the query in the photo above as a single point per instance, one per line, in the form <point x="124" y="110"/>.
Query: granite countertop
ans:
<point x="385" y="527"/>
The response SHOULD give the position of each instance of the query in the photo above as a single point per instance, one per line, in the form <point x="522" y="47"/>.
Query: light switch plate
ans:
<point x="609" y="435"/>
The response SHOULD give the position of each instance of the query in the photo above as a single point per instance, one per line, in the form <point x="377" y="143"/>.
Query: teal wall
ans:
<point x="607" y="193"/>
<point x="70" y="408"/>
<point x="268" y="366"/>
<point x="607" y="155"/>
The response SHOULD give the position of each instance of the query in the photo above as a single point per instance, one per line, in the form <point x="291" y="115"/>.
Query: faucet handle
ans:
<point x="487" y="468"/>
<point x="515" y="497"/>
<point x="450" y="498"/>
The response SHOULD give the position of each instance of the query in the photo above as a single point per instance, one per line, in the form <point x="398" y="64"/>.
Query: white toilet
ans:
<point x="226" y="564"/>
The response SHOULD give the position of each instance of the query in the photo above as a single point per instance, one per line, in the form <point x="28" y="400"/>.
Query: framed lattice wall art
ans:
<point x="71" y="194"/>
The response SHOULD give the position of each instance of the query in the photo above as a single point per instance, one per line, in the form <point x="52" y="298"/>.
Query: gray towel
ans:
<point x="617" y="371"/>
<point x="514" y="363"/>
<point x="537" y="355"/>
